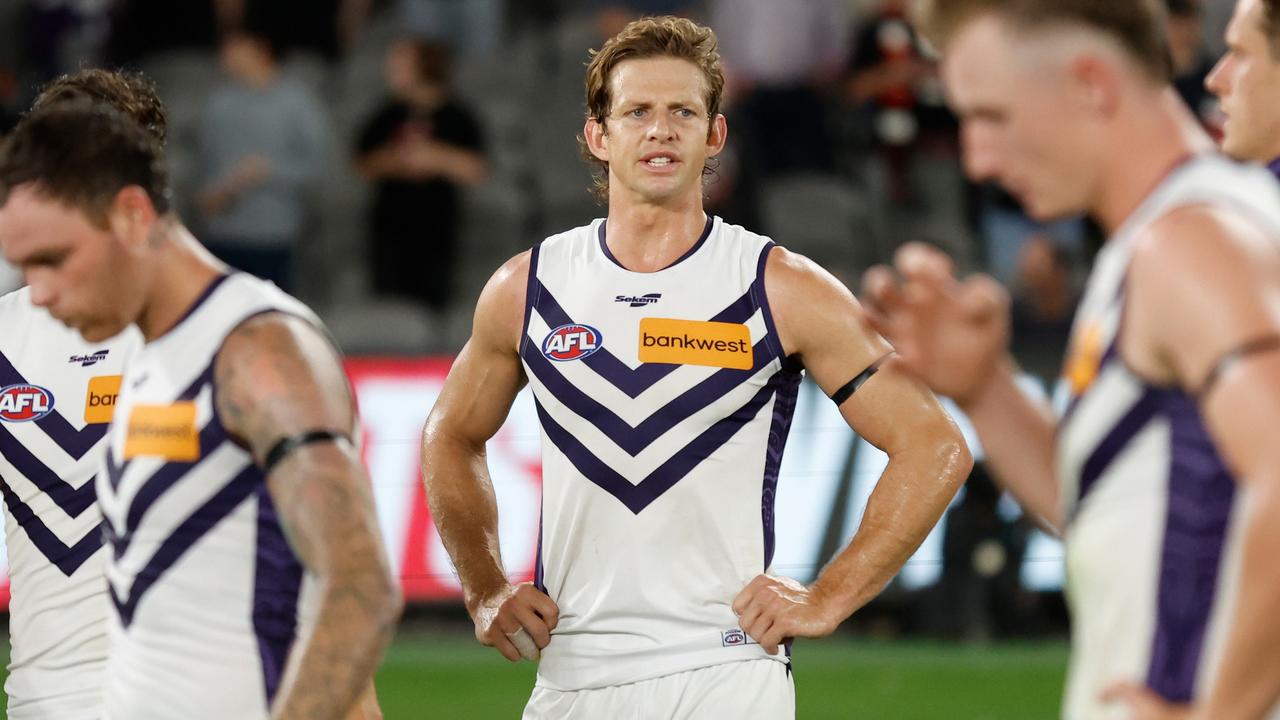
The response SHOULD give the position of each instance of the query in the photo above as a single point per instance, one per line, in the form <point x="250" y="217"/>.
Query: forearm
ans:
<point x="910" y="496"/>
<point x="1247" y="683"/>
<point x="465" y="511"/>
<point x="354" y="625"/>
<point x="1018" y="435"/>
<point x="464" y="167"/>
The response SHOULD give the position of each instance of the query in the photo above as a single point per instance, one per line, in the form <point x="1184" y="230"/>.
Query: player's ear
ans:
<point x="717" y="135"/>
<point x="1095" y="84"/>
<point x="131" y="215"/>
<point x="597" y="139"/>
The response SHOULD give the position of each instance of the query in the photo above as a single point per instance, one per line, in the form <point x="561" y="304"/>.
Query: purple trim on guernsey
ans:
<point x="72" y="500"/>
<point x="637" y="497"/>
<point x="783" y="410"/>
<point x="539" y="580"/>
<point x="190" y="531"/>
<point x="706" y="233"/>
<point x="67" y="559"/>
<point x="1147" y="407"/>
<point x="761" y="300"/>
<point x="75" y="442"/>
<point x="199" y="301"/>
<point x="531" y="291"/>
<point x="168" y="475"/>
<point x="277" y="584"/>
<point x="635" y="439"/>
<point x="115" y="471"/>
<point x="606" y="365"/>
<point x="1201" y="494"/>
<point x="1274" y="167"/>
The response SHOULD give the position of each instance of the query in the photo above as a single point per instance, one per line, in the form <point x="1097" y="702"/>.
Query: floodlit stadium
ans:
<point x="639" y="358"/>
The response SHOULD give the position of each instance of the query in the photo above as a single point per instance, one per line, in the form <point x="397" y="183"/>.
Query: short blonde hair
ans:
<point x="1137" y="25"/>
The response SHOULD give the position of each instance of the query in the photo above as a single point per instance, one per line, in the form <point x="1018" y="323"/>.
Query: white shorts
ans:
<point x="743" y="690"/>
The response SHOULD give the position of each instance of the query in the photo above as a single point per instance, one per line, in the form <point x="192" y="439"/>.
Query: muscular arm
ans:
<point x="1207" y="286"/>
<point x="819" y="320"/>
<point x="477" y="395"/>
<point x="276" y="377"/>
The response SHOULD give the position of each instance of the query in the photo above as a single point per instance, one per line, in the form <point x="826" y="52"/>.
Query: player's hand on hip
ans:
<point x="952" y="334"/>
<point x="1144" y="704"/>
<point x="775" y="609"/>
<point x="517" y="621"/>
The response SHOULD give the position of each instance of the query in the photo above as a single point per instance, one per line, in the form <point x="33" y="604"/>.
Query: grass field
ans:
<point x="445" y="674"/>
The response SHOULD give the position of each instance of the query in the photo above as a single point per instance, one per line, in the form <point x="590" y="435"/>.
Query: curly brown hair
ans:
<point x="128" y="92"/>
<point x="648" y="37"/>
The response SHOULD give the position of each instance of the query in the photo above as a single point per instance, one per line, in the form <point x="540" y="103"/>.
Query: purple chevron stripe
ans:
<point x="605" y="364"/>
<point x="783" y="410"/>
<point x="73" y="500"/>
<point x="200" y="522"/>
<point x="75" y="442"/>
<point x="634" y="440"/>
<point x="1118" y="439"/>
<point x="532" y="286"/>
<point x="66" y="559"/>
<point x="167" y="476"/>
<point x="277" y="583"/>
<point x="1201" y="493"/>
<point x="638" y="497"/>
<point x="702" y="239"/>
<point x="114" y="471"/>
<point x="539" y="579"/>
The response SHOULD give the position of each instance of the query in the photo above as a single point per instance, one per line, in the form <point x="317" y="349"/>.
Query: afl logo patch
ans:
<point x="571" y="342"/>
<point x="24" y="403"/>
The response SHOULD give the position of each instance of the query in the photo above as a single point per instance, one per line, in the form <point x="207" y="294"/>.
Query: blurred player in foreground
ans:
<point x="247" y="575"/>
<point x="1174" y="364"/>
<point x="57" y="394"/>
<point x="1247" y="82"/>
<point x="664" y="349"/>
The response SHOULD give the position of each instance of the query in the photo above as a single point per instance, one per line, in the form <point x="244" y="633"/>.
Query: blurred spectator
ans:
<point x="1191" y="59"/>
<point x="326" y="28"/>
<point x="781" y="62"/>
<point x="421" y="147"/>
<point x="469" y="27"/>
<point x="260" y="150"/>
<point x="142" y="28"/>
<point x="894" y="80"/>
<point x="1044" y="301"/>
<point x="1006" y="229"/>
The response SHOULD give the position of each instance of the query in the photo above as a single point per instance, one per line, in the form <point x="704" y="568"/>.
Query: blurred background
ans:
<point x="380" y="158"/>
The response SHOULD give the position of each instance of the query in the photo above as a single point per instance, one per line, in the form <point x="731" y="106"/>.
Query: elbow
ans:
<point x="954" y="456"/>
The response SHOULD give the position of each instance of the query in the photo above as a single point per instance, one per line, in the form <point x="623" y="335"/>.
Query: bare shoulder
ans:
<point x="499" y="316"/>
<point x="1204" y="243"/>
<point x="818" y="318"/>
<point x="277" y="374"/>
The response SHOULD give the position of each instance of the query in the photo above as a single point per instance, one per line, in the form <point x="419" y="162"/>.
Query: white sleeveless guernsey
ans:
<point x="208" y="597"/>
<point x="665" y="400"/>
<point x="1148" y="497"/>
<point x="57" y="393"/>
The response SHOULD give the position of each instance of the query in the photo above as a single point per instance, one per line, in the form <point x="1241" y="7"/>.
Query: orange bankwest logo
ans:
<point x="100" y="403"/>
<point x="1084" y="358"/>
<point x="167" y="431"/>
<point x="692" y="342"/>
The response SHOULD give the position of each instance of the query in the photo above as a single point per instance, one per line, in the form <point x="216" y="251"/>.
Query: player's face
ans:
<point x="1017" y="128"/>
<point x="658" y="135"/>
<point x="1247" y="81"/>
<point x="76" y="270"/>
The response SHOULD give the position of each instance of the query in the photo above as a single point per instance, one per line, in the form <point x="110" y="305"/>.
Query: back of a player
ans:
<point x="208" y="597"/>
<point x="57" y="394"/>
<point x="1149" y="552"/>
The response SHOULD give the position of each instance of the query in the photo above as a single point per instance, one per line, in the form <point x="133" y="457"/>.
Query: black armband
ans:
<point x="851" y="387"/>
<point x="1234" y="357"/>
<point x="286" y="446"/>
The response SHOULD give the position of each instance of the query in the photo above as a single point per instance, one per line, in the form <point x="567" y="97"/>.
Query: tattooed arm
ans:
<point x="276" y="377"/>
